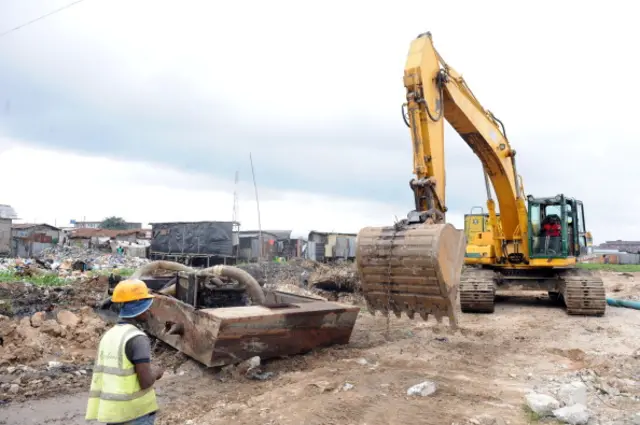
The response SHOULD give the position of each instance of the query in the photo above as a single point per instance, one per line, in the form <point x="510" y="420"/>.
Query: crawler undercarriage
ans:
<point x="581" y="290"/>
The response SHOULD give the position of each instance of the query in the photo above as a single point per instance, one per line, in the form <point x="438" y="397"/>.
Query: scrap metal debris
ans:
<point x="69" y="262"/>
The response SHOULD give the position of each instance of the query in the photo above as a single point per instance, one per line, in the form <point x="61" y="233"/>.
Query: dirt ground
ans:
<point x="481" y="372"/>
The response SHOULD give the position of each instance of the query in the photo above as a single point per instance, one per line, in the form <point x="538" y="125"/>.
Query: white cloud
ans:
<point x="165" y="73"/>
<point x="56" y="187"/>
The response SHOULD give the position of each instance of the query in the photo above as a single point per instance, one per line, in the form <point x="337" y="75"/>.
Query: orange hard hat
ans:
<point x="130" y="290"/>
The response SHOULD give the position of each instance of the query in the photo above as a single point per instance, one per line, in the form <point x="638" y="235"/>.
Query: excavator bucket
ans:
<point x="415" y="268"/>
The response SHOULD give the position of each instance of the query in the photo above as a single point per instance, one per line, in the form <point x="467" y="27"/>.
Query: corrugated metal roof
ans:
<point x="280" y="234"/>
<point x="255" y="233"/>
<point x="30" y="225"/>
<point x="190" y="222"/>
<point x="101" y="233"/>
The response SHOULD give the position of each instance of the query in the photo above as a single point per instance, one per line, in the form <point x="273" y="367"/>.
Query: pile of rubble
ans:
<point x="18" y="383"/>
<point x="19" y="299"/>
<point x="585" y="397"/>
<point x="339" y="277"/>
<point x="334" y="282"/>
<point x="67" y="258"/>
<point x="49" y="350"/>
<point x="306" y="273"/>
<point x="61" y="334"/>
<point x="69" y="262"/>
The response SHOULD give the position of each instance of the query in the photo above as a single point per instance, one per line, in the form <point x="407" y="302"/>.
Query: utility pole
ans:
<point x="234" y="217"/>
<point x="255" y="187"/>
<point x="236" y="211"/>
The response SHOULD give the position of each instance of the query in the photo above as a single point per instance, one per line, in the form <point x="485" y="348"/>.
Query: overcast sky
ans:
<point x="146" y="108"/>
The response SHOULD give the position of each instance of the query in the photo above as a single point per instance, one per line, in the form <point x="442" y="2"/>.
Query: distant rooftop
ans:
<point x="255" y="233"/>
<point x="30" y="225"/>
<point x="192" y="222"/>
<point x="102" y="233"/>
<point x="280" y="234"/>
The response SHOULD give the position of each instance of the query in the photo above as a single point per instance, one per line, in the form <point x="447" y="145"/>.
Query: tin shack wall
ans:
<point x="204" y="237"/>
<point x="5" y="236"/>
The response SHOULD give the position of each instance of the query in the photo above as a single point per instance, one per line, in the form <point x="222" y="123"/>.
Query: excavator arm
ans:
<point x="415" y="265"/>
<point x="436" y="92"/>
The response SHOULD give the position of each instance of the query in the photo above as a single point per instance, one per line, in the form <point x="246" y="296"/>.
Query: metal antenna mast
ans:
<point x="236" y="208"/>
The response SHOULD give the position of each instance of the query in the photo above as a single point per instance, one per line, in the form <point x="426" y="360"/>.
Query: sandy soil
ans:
<point x="482" y="373"/>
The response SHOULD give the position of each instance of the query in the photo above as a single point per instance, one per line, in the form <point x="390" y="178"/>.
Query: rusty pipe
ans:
<point x="160" y="265"/>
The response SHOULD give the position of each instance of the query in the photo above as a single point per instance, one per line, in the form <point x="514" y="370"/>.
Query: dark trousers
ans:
<point x="149" y="419"/>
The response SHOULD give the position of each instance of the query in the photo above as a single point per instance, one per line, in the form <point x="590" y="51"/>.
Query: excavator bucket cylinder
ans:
<point x="415" y="268"/>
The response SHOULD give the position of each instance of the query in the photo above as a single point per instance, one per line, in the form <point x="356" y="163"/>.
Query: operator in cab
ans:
<point x="552" y="230"/>
<point x="551" y="226"/>
<point x="121" y="391"/>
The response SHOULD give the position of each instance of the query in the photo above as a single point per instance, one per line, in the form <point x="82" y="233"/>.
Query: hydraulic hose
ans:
<point x="159" y="265"/>
<point x="623" y="303"/>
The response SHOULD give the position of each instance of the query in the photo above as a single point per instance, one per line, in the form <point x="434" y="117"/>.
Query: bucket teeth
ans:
<point x="397" y="311"/>
<point x="415" y="268"/>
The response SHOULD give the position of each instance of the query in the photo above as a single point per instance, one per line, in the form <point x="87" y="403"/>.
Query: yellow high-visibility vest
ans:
<point x="115" y="394"/>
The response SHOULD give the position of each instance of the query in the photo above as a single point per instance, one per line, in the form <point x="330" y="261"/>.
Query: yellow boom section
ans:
<point x="436" y="91"/>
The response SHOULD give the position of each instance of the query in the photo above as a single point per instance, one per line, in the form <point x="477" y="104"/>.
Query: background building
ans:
<point x="30" y="239"/>
<point x="7" y="215"/>
<point x="198" y="244"/>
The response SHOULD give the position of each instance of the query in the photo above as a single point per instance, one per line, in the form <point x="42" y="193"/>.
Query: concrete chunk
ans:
<point x="576" y="414"/>
<point x="423" y="389"/>
<point x="542" y="404"/>
<point x="573" y="393"/>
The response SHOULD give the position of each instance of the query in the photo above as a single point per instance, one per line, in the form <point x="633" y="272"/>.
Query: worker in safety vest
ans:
<point x="122" y="384"/>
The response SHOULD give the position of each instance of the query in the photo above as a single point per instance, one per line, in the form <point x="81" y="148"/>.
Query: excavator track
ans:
<point x="477" y="290"/>
<point x="412" y="269"/>
<point x="583" y="293"/>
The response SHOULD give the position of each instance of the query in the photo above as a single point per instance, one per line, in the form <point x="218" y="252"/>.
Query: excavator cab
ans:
<point x="557" y="227"/>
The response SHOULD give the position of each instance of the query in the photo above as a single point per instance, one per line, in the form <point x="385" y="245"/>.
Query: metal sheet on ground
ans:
<point x="216" y="337"/>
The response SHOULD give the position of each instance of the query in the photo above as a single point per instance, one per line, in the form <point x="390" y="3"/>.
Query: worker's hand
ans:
<point x="158" y="372"/>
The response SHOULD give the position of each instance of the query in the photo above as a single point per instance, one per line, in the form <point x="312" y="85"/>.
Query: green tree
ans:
<point x="114" y="223"/>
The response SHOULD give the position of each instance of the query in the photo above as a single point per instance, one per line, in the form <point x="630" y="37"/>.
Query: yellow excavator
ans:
<point x="422" y="264"/>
